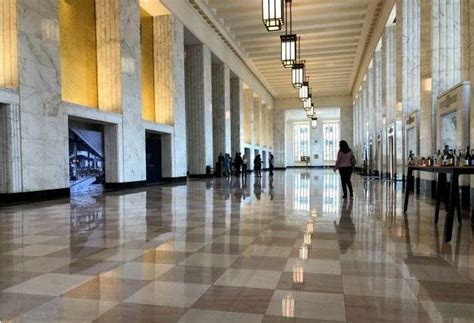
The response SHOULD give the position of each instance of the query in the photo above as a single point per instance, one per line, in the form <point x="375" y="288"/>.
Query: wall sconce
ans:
<point x="314" y="213"/>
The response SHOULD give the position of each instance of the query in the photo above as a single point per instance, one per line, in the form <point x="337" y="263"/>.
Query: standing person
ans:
<point x="220" y="165"/>
<point x="227" y="165"/>
<point x="271" y="161"/>
<point x="257" y="166"/>
<point x="345" y="164"/>
<point x="244" y="165"/>
<point x="237" y="163"/>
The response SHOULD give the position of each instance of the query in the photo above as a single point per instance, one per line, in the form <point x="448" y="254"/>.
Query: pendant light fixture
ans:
<point x="297" y="72"/>
<point x="288" y="41"/>
<point x="310" y="113"/>
<point x="273" y="14"/>
<point x="314" y="122"/>
<point x="308" y="103"/>
<point x="304" y="90"/>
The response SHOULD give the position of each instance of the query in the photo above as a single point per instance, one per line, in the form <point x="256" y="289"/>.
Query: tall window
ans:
<point x="331" y="140"/>
<point x="301" y="139"/>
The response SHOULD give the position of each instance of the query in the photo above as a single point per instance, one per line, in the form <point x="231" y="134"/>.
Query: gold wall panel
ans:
<point x="148" y="66"/>
<point x="164" y="78"/>
<point x="109" y="66"/>
<point x="78" y="52"/>
<point x="8" y="44"/>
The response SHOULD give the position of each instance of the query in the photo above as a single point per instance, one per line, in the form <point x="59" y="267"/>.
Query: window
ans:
<point x="331" y="140"/>
<point x="301" y="139"/>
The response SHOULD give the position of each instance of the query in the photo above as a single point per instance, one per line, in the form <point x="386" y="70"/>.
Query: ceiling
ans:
<point x="334" y="38"/>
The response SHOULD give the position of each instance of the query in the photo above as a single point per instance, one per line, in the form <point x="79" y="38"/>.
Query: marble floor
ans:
<point x="287" y="249"/>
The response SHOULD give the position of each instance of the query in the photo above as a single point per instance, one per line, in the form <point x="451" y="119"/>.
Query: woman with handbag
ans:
<point x="345" y="164"/>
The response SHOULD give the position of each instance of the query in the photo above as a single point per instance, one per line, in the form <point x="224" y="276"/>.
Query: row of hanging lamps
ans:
<point x="273" y="14"/>
<point x="273" y="17"/>
<point x="288" y="40"/>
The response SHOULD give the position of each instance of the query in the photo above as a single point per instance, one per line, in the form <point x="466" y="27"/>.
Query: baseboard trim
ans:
<point x="124" y="185"/>
<point x="35" y="196"/>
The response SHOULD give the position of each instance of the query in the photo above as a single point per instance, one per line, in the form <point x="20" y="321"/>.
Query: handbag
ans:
<point x="353" y="160"/>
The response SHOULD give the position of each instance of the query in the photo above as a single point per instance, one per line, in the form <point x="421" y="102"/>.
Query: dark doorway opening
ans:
<point x="86" y="157"/>
<point x="154" y="172"/>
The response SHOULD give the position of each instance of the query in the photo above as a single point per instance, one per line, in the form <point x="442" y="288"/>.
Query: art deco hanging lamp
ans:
<point x="297" y="72"/>
<point x="304" y="90"/>
<point x="273" y="14"/>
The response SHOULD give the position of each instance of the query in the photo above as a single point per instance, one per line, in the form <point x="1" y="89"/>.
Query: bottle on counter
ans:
<point x="471" y="159"/>
<point x="467" y="157"/>
<point x="455" y="158"/>
<point x="444" y="158"/>
<point x="450" y="158"/>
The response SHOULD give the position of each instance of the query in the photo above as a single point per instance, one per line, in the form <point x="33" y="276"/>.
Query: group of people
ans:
<point x="239" y="165"/>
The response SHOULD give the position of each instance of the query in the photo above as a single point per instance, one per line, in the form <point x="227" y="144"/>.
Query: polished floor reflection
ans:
<point x="261" y="250"/>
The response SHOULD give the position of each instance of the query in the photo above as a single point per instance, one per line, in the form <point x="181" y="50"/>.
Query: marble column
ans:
<point x="470" y="40"/>
<point x="248" y="116"/>
<point x="427" y="115"/>
<point x="389" y="100"/>
<point x="133" y="133"/>
<point x="221" y="109"/>
<point x="279" y="137"/>
<point x="257" y="124"/>
<point x="377" y="110"/>
<point x="270" y="128"/>
<point x="237" y="115"/>
<point x="10" y="149"/>
<point x="44" y="132"/>
<point x="198" y="108"/>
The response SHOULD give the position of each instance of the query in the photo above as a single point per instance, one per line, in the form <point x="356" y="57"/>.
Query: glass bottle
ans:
<point x="467" y="157"/>
<point x="450" y="158"/>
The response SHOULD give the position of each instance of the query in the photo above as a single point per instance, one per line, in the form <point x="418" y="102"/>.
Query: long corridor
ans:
<point x="260" y="250"/>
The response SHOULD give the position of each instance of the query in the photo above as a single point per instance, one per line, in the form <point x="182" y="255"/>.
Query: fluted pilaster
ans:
<point x="198" y="108"/>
